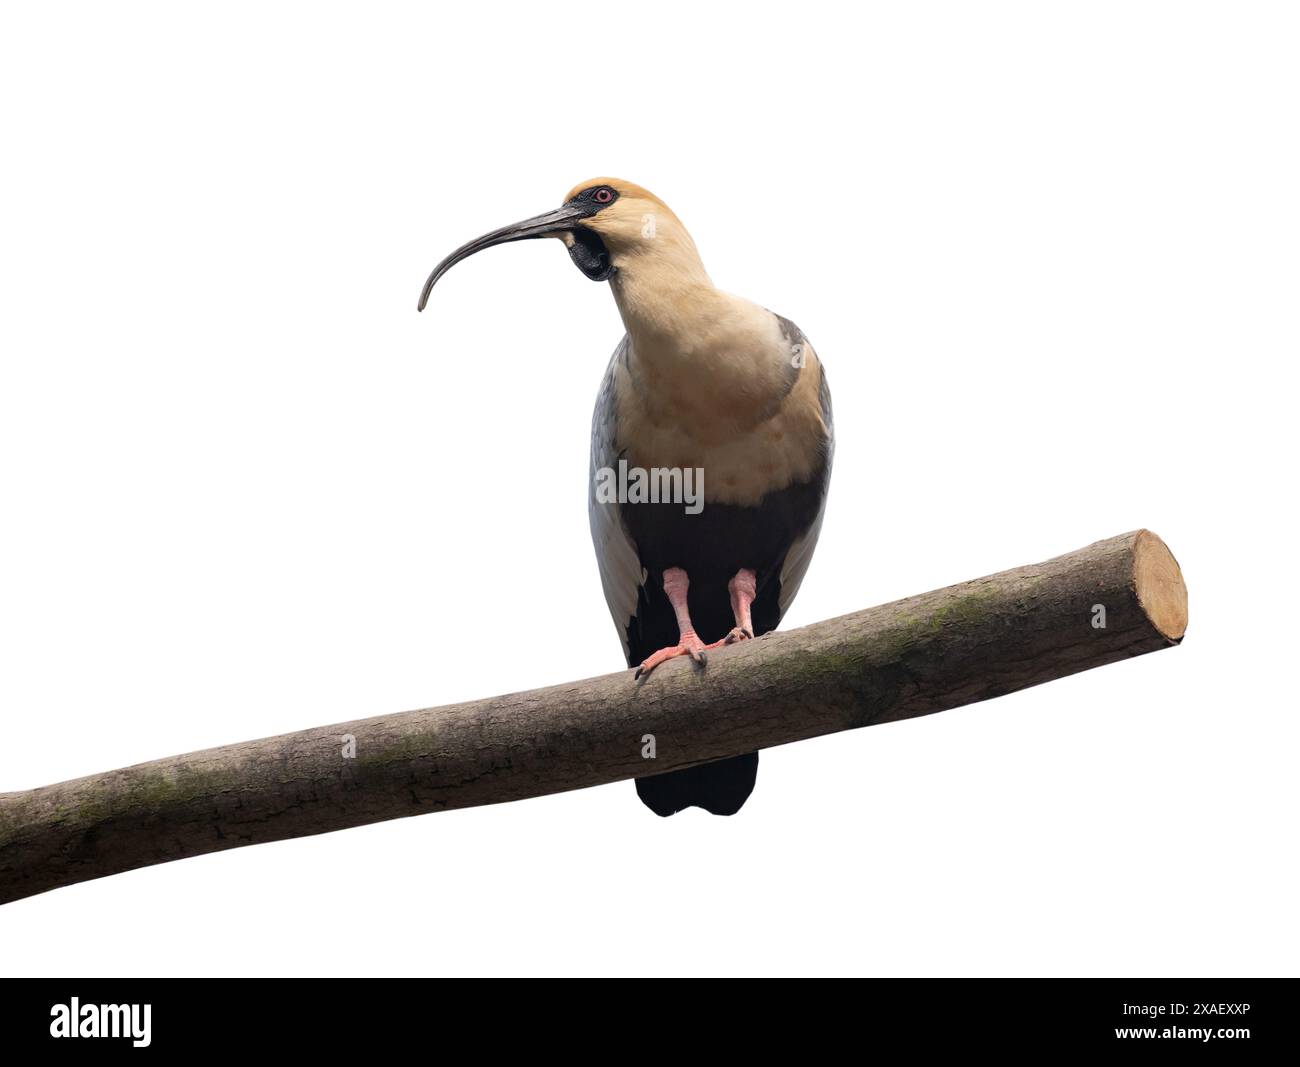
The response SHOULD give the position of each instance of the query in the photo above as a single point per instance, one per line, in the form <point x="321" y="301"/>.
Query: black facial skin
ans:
<point x="587" y="198"/>
<point x="588" y="250"/>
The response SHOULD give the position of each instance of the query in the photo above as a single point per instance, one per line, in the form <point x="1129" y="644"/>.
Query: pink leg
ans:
<point x="743" y="588"/>
<point x="688" y="642"/>
<point x="676" y="584"/>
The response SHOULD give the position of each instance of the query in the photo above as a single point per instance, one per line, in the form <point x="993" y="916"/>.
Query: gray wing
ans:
<point x="621" y="573"/>
<point x="795" y="565"/>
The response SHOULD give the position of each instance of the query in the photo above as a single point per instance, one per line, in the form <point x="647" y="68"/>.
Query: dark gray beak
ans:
<point x="552" y="224"/>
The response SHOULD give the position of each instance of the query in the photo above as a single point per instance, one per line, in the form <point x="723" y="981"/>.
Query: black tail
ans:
<point x="720" y="788"/>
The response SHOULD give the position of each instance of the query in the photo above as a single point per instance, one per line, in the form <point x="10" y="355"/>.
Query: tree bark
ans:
<point x="928" y="653"/>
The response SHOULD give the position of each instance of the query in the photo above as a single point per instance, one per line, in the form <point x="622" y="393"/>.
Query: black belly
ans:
<point x="711" y="547"/>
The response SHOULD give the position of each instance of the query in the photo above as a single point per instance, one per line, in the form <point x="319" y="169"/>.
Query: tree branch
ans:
<point x="928" y="653"/>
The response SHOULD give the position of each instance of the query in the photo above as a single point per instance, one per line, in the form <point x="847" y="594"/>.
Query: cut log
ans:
<point x="1110" y="601"/>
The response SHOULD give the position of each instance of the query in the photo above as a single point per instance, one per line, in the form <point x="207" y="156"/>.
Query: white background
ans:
<point x="1049" y="256"/>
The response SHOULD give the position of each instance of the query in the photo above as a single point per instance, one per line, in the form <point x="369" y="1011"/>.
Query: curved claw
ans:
<point x="690" y="645"/>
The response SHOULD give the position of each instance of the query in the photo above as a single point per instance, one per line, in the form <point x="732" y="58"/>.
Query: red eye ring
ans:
<point x="603" y="196"/>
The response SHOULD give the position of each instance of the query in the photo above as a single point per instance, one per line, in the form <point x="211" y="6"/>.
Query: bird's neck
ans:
<point x="706" y="360"/>
<point x="662" y="294"/>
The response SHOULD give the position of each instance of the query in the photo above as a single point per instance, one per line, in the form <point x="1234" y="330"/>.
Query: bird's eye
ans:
<point x="603" y="195"/>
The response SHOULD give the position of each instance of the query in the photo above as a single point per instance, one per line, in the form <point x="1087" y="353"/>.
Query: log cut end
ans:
<point x="1159" y="585"/>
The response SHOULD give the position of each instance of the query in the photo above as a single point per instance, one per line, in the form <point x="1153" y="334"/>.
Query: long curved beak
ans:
<point x="552" y="224"/>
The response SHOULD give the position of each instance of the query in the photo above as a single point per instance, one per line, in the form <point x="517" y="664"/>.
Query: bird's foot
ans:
<point x="690" y="645"/>
<point x="738" y="633"/>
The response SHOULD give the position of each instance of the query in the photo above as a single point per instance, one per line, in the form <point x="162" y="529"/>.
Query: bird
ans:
<point x="712" y="443"/>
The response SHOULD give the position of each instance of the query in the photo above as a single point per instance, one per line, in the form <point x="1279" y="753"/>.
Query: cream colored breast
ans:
<point x="751" y="433"/>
